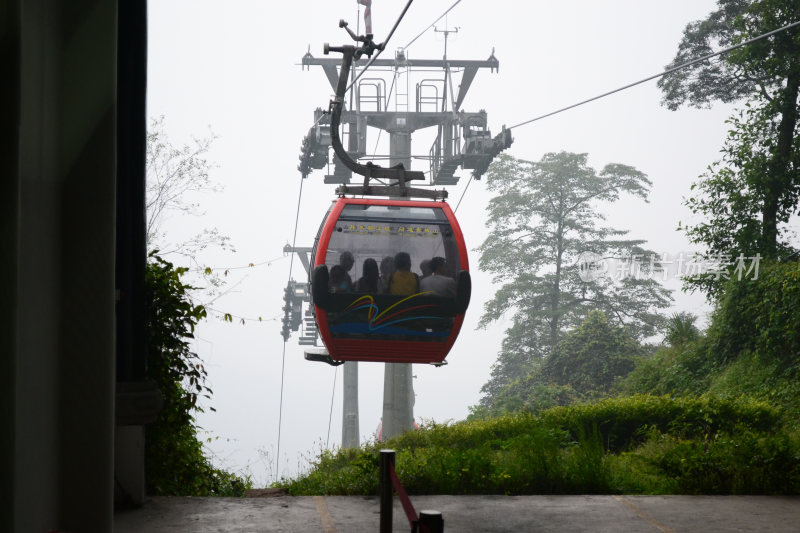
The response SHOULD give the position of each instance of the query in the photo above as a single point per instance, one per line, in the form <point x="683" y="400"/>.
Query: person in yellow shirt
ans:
<point x="403" y="281"/>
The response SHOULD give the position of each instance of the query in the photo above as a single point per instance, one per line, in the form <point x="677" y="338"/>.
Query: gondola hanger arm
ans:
<point x="370" y="170"/>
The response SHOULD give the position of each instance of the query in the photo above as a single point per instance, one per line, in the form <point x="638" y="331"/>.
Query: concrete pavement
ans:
<point x="466" y="514"/>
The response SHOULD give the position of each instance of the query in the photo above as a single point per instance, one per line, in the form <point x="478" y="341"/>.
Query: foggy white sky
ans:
<point x="234" y="66"/>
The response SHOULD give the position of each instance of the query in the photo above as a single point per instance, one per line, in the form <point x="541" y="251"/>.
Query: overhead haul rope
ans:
<point x="628" y="86"/>
<point x="432" y="23"/>
<point x="382" y="47"/>
<point x="668" y="71"/>
<point x="283" y="355"/>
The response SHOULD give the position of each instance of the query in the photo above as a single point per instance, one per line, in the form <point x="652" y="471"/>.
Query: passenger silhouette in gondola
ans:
<point x="387" y="269"/>
<point x="439" y="282"/>
<point x="346" y="261"/>
<point x="370" y="281"/>
<point x="337" y="280"/>
<point x="403" y="281"/>
<point x="425" y="268"/>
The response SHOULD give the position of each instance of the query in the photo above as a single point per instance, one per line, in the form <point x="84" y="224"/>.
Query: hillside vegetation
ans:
<point x="713" y="412"/>
<point x="638" y="444"/>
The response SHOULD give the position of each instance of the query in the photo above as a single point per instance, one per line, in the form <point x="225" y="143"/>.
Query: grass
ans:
<point x="635" y="445"/>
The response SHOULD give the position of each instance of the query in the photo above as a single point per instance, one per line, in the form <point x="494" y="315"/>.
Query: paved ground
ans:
<point x="466" y="514"/>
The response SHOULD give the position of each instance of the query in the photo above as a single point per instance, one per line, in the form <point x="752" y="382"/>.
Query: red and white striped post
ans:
<point x="367" y="15"/>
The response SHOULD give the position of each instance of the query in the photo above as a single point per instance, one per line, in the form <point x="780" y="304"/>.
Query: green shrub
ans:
<point x="614" y="445"/>
<point x="349" y="471"/>
<point x="748" y="375"/>
<point x="174" y="459"/>
<point x="747" y="462"/>
<point x="680" y="370"/>
<point x="538" y="460"/>
<point x="754" y="320"/>
<point x="625" y="422"/>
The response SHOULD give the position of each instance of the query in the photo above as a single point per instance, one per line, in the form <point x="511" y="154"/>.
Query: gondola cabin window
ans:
<point x="380" y="233"/>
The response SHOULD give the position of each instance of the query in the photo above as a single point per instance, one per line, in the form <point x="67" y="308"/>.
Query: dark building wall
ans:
<point x="60" y="224"/>
<point x="9" y="211"/>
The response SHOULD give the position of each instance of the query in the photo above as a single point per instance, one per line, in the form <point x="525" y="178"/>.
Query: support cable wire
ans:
<point x="283" y="355"/>
<point x="432" y="23"/>
<point x="668" y="71"/>
<point x="382" y="46"/>
<point x="330" y="417"/>
<point x="673" y="69"/>
<point x="463" y="193"/>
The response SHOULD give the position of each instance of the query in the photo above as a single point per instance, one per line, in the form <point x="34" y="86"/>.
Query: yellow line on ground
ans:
<point x="644" y="516"/>
<point x="324" y="515"/>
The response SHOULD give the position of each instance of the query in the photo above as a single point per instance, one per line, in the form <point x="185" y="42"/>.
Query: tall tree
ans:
<point x="543" y="218"/>
<point x="731" y="196"/>
<point x="767" y="74"/>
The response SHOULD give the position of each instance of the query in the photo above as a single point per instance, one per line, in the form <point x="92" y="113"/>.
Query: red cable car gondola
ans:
<point x="364" y="315"/>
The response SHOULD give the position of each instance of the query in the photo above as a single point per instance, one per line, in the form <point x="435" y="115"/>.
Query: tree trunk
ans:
<point x="780" y="178"/>
<point x="555" y="296"/>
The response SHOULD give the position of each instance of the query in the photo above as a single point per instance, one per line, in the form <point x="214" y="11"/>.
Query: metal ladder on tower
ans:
<point x="310" y="331"/>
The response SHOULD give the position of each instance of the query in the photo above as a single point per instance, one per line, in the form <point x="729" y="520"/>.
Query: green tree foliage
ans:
<point x="751" y="346"/>
<point x="685" y="370"/>
<point x="175" y="463"/>
<point x="543" y="216"/>
<point x="731" y="196"/>
<point x="681" y="329"/>
<point x="754" y="189"/>
<point x="593" y="357"/>
<point x="761" y="68"/>
<point x="532" y="393"/>
<point x="759" y="316"/>
<point x="586" y="364"/>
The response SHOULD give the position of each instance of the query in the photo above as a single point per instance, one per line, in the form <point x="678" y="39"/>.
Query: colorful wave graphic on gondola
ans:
<point x="378" y="320"/>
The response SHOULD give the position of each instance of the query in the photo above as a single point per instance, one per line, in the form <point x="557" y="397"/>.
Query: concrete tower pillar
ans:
<point x="350" y="430"/>
<point x="398" y="386"/>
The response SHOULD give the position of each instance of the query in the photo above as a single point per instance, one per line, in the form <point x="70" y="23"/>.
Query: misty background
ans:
<point x="233" y="69"/>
